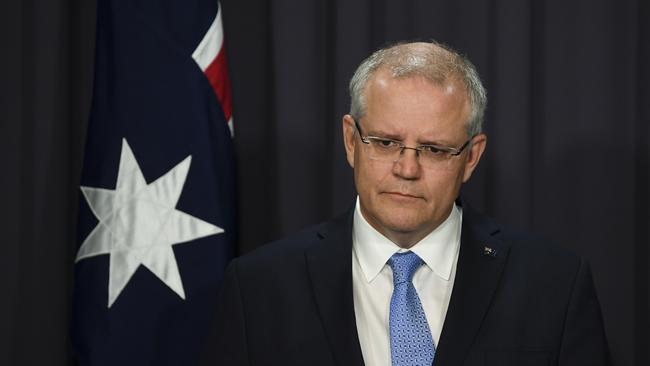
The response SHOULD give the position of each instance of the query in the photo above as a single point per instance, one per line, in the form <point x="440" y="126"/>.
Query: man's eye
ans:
<point x="386" y="143"/>
<point x="432" y="149"/>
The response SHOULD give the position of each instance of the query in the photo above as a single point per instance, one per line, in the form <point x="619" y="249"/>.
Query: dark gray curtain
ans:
<point x="45" y="83"/>
<point x="568" y="126"/>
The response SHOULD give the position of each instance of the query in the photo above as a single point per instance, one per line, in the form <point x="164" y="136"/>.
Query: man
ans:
<point x="412" y="276"/>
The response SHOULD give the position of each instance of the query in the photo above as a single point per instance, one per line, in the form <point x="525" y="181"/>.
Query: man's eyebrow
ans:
<point x="441" y="143"/>
<point x="386" y="135"/>
<point x="397" y="136"/>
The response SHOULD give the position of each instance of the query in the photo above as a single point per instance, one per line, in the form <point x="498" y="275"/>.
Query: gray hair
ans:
<point x="434" y="61"/>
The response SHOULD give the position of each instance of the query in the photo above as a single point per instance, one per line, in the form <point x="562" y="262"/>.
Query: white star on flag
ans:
<point x="139" y="223"/>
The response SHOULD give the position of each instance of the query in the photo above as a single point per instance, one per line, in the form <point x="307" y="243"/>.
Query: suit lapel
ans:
<point x="329" y="265"/>
<point x="480" y="263"/>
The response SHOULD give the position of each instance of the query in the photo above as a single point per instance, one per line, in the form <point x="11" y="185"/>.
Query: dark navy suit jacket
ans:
<point x="516" y="301"/>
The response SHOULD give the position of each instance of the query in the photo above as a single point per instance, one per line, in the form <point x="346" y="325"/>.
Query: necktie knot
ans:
<point x="404" y="266"/>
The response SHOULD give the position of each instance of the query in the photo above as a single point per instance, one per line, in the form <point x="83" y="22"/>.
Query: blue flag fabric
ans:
<point x="157" y="210"/>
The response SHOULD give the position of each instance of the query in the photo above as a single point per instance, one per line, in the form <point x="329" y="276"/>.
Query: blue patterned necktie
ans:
<point x="411" y="343"/>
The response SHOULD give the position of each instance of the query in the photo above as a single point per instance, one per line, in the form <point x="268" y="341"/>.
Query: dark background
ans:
<point x="568" y="125"/>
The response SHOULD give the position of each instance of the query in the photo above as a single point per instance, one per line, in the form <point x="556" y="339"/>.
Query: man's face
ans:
<point x="404" y="200"/>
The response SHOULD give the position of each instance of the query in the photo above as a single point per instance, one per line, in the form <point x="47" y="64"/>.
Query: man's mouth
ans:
<point x="402" y="195"/>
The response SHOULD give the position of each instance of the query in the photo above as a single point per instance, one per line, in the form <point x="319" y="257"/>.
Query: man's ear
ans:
<point x="349" y="138"/>
<point x="474" y="155"/>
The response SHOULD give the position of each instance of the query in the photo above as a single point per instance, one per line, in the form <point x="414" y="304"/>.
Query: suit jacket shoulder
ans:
<point x="518" y="300"/>
<point x="290" y="302"/>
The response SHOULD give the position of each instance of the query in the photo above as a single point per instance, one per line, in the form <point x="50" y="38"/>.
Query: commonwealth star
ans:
<point x="139" y="223"/>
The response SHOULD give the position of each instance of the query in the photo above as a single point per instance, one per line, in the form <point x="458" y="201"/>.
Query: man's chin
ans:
<point x="401" y="217"/>
<point x="402" y="222"/>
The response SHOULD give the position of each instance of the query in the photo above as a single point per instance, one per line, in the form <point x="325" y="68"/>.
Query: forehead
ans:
<point x="415" y="104"/>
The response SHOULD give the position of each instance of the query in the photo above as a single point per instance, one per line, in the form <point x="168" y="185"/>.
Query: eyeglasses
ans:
<point x="429" y="156"/>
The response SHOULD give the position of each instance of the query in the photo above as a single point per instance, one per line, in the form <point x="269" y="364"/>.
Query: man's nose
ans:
<point x="407" y="165"/>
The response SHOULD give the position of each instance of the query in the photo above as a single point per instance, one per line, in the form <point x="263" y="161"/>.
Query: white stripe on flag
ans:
<point x="210" y="45"/>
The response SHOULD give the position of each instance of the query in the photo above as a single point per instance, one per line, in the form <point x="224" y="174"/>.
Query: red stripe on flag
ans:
<point x="217" y="74"/>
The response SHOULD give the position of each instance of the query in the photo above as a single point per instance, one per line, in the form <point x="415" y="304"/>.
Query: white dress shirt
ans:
<point x="372" y="281"/>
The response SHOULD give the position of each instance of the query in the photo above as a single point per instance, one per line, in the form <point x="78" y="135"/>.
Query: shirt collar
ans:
<point x="438" y="249"/>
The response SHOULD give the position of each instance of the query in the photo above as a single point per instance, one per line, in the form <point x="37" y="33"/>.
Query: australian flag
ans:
<point x="157" y="206"/>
